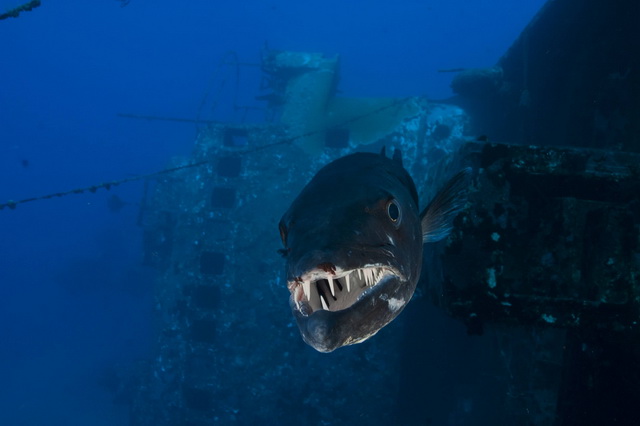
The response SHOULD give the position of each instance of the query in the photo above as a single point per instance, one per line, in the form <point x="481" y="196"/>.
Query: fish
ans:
<point x="353" y="241"/>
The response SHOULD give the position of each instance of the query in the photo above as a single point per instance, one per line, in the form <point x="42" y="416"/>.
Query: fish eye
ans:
<point x="394" y="212"/>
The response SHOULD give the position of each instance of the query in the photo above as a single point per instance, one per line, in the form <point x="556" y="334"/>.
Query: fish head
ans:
<point x="353" y="246"/>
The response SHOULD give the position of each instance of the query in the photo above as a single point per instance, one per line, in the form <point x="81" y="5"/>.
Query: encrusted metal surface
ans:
<point x="552" y="239"/>
<point x="228" y="350"/>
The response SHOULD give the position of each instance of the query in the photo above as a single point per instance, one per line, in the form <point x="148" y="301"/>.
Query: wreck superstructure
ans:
<point x="543" y="264"/>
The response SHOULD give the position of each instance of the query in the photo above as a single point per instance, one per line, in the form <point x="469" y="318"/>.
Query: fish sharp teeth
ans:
<point x="360" y="273"/>
<point x="332" y="286"/>
<point x="346" y="278"/>
<point x="324" y="304"/>
<point x="306" y="286"/>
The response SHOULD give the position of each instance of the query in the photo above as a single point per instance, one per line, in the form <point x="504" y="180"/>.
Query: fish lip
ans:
<point x="326" y="331"/>
<point x="362" y="281"/>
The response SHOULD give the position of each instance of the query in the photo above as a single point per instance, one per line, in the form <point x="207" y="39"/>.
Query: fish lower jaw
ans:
<point x="336" y="290"/>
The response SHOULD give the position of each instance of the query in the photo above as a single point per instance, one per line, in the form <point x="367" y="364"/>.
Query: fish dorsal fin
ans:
<point x="437" y="218"/>
<point x="397" y="156"/>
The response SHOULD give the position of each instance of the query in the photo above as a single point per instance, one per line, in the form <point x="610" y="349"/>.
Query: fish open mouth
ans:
<point x="331" y="289"/>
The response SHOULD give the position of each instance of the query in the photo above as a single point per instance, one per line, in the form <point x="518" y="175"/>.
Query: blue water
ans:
<point x="76" y="304"/>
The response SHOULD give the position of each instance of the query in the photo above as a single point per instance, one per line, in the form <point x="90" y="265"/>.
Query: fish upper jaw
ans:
<point x="331" y="288"/>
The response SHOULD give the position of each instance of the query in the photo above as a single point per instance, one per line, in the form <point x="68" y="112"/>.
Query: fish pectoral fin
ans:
<point x="437" y="218"/>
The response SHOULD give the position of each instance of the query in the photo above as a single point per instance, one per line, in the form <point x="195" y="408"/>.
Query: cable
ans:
<point x="11" y="204"/>
<point x="16" y="11"/>
<point x="93" y="188"/>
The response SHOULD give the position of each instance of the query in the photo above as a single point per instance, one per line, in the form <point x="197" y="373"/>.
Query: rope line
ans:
<point x="11" y="204"/>
<point x="105" y="185"/>
<point x="16" y="11"/>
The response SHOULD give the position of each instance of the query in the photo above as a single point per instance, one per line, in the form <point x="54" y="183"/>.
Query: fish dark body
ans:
<point x="353" y="242"/>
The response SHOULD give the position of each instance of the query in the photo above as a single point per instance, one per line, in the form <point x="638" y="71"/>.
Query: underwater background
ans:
<point x="76" y="299"/>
